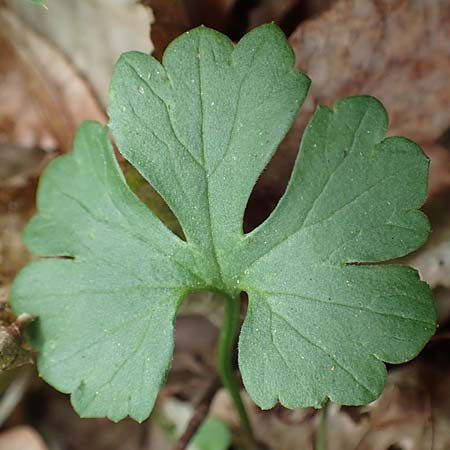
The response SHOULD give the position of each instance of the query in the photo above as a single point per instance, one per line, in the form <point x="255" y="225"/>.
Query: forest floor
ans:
<point x="55" y="66"/>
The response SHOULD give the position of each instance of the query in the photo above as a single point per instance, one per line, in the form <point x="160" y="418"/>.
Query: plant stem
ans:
<point x="321" y="436"/>
<point x="225" y="357"/>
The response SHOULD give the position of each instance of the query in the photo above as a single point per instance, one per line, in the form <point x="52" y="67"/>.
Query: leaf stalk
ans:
<point x="225" y="366"/>
<point x="321" y="436"/>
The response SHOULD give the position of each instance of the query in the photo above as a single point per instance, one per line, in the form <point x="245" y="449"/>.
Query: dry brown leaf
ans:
<point x="398" y="51"/>
<point x="442" y="298"/>
<point x="13" y="254"/>
<point x="171" y="20"/>
<point x="21" y="438"/>
<point x="214" y="13"/>
<point x="271" y="10"/>
<point x="286" y="13"/>
<point x="433" y="259"/>
<point x="42" y="102"/>
<point x="12" y="355"/>
<point x="42" y="98"/>
<point x="268" y="429"/>
<point x="439" y="179"/>
<point x="66" y="430"/>
<point x="174" y="17"/>
<point x="20" y="168"/>
<point x="395" y="50"/>
<point x="91" y="33"/>
<point x="13" y="352"/>
<point x="18" y="163"/>
<point x="412" y="413"/>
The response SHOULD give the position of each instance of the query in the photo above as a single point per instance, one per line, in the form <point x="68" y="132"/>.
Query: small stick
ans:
<point x="20" y="323"/>
<point x="200" y="413"/>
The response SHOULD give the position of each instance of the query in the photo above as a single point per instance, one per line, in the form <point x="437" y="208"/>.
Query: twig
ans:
<point x="200" y="413"/>
<point x="20" y="323"/>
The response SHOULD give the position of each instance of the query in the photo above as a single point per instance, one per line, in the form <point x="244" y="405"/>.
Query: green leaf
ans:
<point x="40" y="3"/>
<point x="200" y="128"/>
<point x="105" y="313"/>
<point x="319" y="324"/>
<point x="213" y="434"/>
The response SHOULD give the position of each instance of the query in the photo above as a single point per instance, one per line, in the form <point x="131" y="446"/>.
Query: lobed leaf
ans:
<point x="107" y="303"/>
<point x="201" y="127"/>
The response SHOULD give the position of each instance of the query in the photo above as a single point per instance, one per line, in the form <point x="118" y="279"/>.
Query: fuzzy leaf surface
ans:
<point x="201" y="127"/>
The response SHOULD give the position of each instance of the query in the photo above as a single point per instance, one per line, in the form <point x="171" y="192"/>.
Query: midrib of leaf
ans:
<point x="346" y="305"/>
<point x="215" y="246"/>
<point x="204" y="166"/>
<point x="352" y="238"/>
<point x="201" y="164"/>
<point x="215" y="259"/>
<point x="230" y="139"/>
<point x="333" y="174"/>
<point x="238" y="103"/>
<point x="208" y="198"/>
<point x="303" y="225"/>
<point x="127" y="231"/>
<point x="146" y="82"/>
<point x="120" y="367"/>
